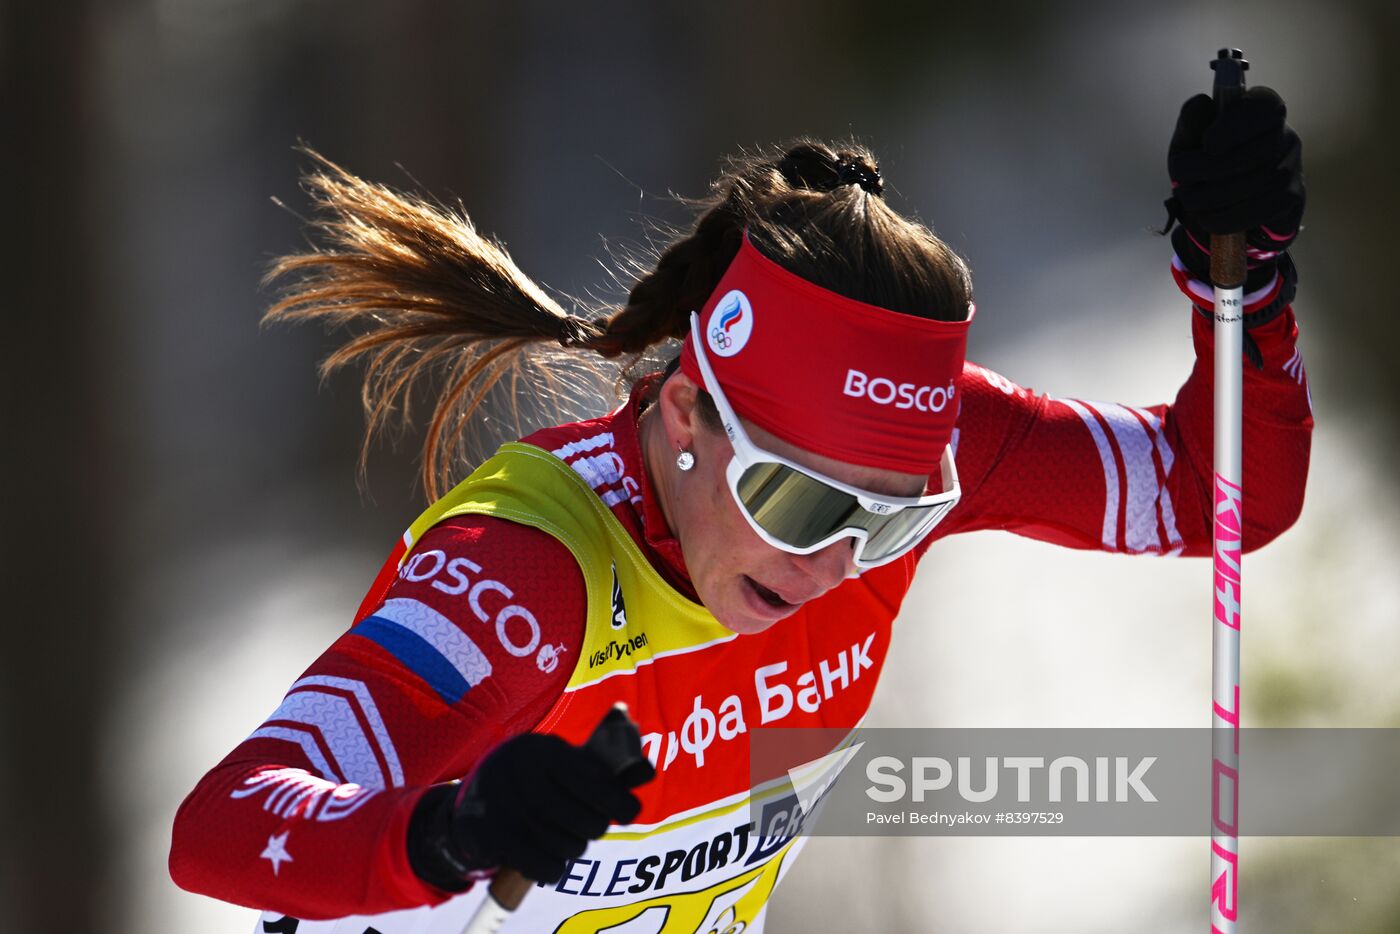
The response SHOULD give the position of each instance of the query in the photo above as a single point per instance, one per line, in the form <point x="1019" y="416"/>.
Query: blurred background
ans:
<point x="184" y="530"/>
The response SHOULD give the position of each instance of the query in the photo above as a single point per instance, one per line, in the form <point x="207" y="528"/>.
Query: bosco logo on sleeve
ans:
<point x="730" y="324"/>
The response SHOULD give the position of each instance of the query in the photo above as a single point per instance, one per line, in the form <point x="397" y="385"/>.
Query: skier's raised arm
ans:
<point x="1137" y="479"/>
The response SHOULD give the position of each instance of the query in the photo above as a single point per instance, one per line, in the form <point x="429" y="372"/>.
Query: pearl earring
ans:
<point x="685" y="460"/>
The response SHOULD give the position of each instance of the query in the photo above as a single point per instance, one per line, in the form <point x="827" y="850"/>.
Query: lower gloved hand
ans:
<point x="533" y="804"/>
<point x="1238" y="170"/>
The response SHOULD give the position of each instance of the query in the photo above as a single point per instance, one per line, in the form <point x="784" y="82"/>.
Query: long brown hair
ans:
<point x="426" y="294"/>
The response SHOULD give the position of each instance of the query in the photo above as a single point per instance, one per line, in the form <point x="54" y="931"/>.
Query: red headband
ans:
<point x="834" y="376"/>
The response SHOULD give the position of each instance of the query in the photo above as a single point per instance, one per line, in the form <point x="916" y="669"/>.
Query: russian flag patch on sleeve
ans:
<point x="428" y="644"/>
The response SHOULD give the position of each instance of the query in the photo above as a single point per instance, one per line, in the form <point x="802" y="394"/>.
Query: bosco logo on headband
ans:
<point x="730" y="324"/>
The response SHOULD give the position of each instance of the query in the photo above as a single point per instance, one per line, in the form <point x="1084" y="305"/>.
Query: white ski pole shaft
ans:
<point x="507" y="891"/>
<point x="1227" y="272"/>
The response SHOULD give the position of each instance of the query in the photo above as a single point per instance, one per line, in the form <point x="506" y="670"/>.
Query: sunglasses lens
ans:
<point x="793" y="507"/>
<point x="801" y="511"/>
<point x="899" y="531"/>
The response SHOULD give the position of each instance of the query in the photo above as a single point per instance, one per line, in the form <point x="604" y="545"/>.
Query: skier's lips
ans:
<point x="769" y="602"/>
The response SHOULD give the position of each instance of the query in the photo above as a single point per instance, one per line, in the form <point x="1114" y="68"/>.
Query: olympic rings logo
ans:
<point x="720" y="340"/>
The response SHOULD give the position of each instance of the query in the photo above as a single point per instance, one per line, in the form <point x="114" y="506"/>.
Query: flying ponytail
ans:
<point x="427" y="296"/>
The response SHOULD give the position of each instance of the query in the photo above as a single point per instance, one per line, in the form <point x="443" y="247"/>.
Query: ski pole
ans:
<point x="618" y="742"/>
<point x="1227" y="273"/>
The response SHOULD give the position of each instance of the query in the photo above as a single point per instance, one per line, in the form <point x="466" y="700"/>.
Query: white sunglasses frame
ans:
<point x="748" y="454"/>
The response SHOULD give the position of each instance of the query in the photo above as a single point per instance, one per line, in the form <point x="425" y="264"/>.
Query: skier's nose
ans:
<point x="831" y="565"/>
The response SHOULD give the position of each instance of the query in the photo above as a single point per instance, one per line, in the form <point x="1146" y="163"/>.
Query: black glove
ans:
<point x="533" y="805"/>
<point x="1238" y="170"/>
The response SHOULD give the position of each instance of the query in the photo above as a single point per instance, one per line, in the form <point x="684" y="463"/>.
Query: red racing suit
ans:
<point x="362" y="734"/>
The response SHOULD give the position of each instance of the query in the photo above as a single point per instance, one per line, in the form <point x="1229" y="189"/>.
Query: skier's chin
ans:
<point x="746" y="625"/>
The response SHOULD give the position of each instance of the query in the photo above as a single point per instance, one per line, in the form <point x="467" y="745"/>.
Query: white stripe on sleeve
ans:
<point x="1164" y="496"/>
<point x="1140" y="525"/>
<point x="306" y="741"/>
<point x="334" y="718"/>
<point x="371" y="712"/>
<point x="1110" y="472"/>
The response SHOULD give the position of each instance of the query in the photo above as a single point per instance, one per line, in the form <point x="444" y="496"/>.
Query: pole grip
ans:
<point x="509" y="887"/>
<point x="1228" y="265"/>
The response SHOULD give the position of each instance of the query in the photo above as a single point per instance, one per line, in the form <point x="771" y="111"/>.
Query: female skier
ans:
<point x="727" y="550"/>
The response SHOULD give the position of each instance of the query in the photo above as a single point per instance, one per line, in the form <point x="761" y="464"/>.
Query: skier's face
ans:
<point x="745" y="582"/>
